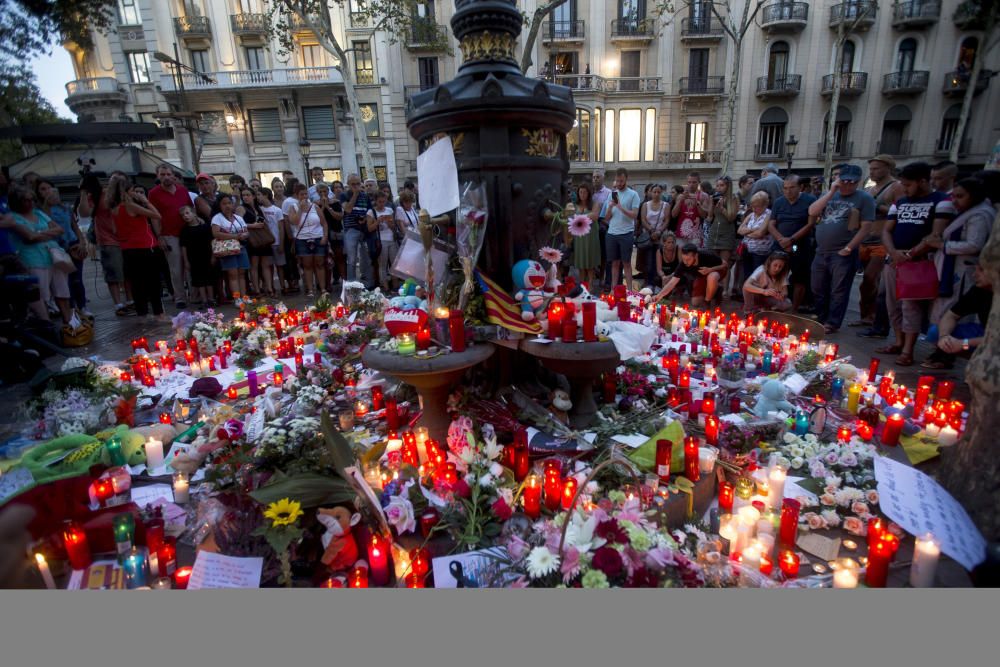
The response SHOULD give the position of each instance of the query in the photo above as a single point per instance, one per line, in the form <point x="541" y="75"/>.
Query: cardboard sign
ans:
<point x="399" y="321"/>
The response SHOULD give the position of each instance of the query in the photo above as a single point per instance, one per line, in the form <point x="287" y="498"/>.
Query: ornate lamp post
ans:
<point x="304" y="147"/>
<point x="790" y="151"/>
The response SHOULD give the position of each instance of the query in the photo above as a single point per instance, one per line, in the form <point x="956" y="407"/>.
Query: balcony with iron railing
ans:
<point x="942" y="146"/>
<point x="103" y="93"/>
<point x="768" y="153"/>
<point x="905" y="83"/>
<point x="608" y="85"/>
<point x="632" y="30"/>
<point x="840" y="149"/>
<point x="248" y="24"/>
<point x="915" y="14"/>
<point x="681" y="159"/>
<point x="426" y="35"/>
<point x="900" y="148"/>
<point x="299" y="24"/>
<point x="957" y="82"/>
<point x="563" y="32"/>
<point x="784" y="16"/>
<point x="193" y="26"/>
<point x="858" y="13"/>
<point x="967" y="15"/>
<point x="852" y="84"/>
<point x="784" y="86"/>
<point x="702" y="85"/>
<point x="360" y="20"/>
<point x="701" y="29"/>
<point x="256" y="78"/>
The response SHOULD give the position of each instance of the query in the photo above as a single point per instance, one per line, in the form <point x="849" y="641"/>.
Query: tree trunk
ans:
<point x="831" y="125"/>
<point x="532" y="36"/>
<point x="727" y="150"/>
<point x="977" y="67"/>
<point x="970" y="470"/>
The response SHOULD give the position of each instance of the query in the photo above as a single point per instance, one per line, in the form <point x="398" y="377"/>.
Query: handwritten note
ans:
<point x="212" y="570"/>
<point x="438" y="176"/>
<point x="148" y="495"/>
<point x="920" y="505"/>
<point x="255" y="423"/>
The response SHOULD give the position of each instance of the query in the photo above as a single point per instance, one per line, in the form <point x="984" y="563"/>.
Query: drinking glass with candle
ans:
<point x="926" y="552"/>
<point x="181" y="488"/>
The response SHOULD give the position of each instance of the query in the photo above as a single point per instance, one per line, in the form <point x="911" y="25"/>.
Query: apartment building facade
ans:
<point x="650" y="91"/>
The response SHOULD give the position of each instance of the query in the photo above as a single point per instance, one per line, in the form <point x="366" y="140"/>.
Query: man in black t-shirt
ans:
<point x="954" y="338"/>
<point x="356" y="203"/>
<point x="700" y="272"/>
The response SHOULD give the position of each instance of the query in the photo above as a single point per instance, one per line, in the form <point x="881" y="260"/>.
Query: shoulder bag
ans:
<point x="261" y="237"/>
<point x="916" y="280"/>
<point x="226" y="247"/>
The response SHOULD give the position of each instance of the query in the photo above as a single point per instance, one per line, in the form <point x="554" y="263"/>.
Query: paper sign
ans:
<point x="796" y="383"/>
<point x="633" y="441"/>
<point x="98" y="576"/>
<point x="438" y="177"/>
<point x="920" y="505"/>
<point x="475" y="569"/>
<point x="212" y="570"/>
<point x="147" y="495"/>
<point x="823" y="547"/>
<point x="254" y="424"/>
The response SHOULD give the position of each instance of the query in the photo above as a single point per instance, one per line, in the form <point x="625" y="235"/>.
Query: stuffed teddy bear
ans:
<point x="561" y="405"/>
<point x="340" y="548"/>
<point x="772" y="399"/>
<point x="529" y="280"/>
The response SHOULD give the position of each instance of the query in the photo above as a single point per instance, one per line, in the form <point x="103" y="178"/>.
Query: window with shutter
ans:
<point x="318" y="122"/>
<point x="213" y="128"/>
<point x="265" y="125"/>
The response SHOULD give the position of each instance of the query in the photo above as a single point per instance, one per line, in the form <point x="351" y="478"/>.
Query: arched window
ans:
<point x="907" y="55"/>
<point x="967" y="53"/>
<point x="578" y="139"/>
<point x="847" y="58"/>
<point x="841" y="129"/>
<point x="894" y="126"/>
<point x="777" y="65"/>
<point x="771" y="137"/>
<point x="949" y="128"/>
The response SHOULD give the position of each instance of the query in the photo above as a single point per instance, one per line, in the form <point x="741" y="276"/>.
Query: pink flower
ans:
<point x="520" y="582"/>
<point x="855" y="526"/>
<point x="828" y="499"/>
<point x="571" y="565"/>
<point x="517" y="548"/>
<point x="660" y="558"/>
<point x="871" y="496"/>
<point x="861" y="509"/>
<point x="815" y="521"/>
<point x="579" y="225"/>
<point x="550" y="254"/>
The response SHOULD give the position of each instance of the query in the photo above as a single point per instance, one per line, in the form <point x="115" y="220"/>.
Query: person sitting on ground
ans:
<point x="767" y="286"/>
<point x="954" y="337"/>
<point x="702" y="272"/>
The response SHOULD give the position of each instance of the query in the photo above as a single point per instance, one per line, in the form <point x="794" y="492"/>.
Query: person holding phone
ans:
<point x="621" y="210"/>
<point x="692" y="208"/>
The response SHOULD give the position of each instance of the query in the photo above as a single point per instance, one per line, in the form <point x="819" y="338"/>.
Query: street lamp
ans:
<point x="790" y="151"/>
<point x="304" y="147"/>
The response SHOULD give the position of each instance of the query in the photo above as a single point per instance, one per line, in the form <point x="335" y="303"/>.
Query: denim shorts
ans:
<point x="240" y="261"/>
<point x="310" y="248"/>
<point x="620" y="246"/>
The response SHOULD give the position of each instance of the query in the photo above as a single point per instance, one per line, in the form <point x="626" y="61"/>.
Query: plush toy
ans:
<point x="561" y="405"/>
<point x="772" y="399"/>
<point x="409" y="297"/>
<point x="529" y="281"/>
<point x="340" y="548"/>
<point x="133" y="445"/>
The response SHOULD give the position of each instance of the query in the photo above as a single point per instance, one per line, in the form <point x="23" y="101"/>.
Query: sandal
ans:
<point x="830" y="329"/>
<point x="861" y="323"/>
<point x="904" y="360"/>
<point x="890" y="349"/>
<point x="935" y="365"/>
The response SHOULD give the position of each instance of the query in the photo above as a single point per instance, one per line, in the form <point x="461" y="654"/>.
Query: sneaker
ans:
<point x="872" y="333"/>
<point x="181" y="305"/>
<point x="120" y="310"/>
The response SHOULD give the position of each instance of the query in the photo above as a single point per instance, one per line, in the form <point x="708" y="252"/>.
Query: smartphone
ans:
<point x="614" y="196"/>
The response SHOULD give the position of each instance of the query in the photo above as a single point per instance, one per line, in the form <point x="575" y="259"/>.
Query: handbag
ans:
<point x="916" y="280"/>
<point x="61" y="261"/>
<point x="226" y="247"/>
<point x="261" y="237"/>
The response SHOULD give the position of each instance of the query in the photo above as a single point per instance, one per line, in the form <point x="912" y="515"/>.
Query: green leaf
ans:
<point x="684" y="484"/>
<point x="338" y="446"/>
<point x="310" y="489"/>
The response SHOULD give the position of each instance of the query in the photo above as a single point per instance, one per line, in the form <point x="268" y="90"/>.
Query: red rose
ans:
<point x="501" y="509"/>
<point x="611" y="531"/>
<point x="643" y="578"/>
<point x="608" y="561"/>
<point x="461" y="489"/>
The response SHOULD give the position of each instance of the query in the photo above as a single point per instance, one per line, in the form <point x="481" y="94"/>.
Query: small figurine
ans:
<point x="772" y="399"/>
<point x="340" y="548"/>
<point x="561" y="405"/>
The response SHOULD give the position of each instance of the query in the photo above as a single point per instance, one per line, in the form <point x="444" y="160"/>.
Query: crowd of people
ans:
<point x="790" y="243"/>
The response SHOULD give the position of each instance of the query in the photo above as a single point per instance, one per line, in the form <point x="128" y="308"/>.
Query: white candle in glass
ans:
<point x="926" y="552"/>
<point x="846" y="574"/>
<point x="776" y="477"/>
<point x="948" y="436"/>
<point x="195" y="370"/>
<point x="932" y="430"/>
<point x="744" y="533"/>
<point x="707" y="456"/>
<point x="154" y="453"/>
<point x="204" y="366"/>
<point x="154" y="564"/>
<point x="751" y="557"/>
<point x="43" y="569"/>
<point x="422" y="436"/>
<point x="181" y="488"/>
<point x="749" y="515"/>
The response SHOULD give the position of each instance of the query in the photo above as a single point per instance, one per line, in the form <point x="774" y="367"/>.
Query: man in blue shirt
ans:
<point x="914" y="219"/>
<point x="844" y="218"/>
<point x="620" y="210"/>
<point x="356" y="203"/>
<point x="792" y="230"/>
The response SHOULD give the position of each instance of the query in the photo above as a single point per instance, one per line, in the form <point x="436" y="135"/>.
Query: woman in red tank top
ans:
<point x="137" y="227"/>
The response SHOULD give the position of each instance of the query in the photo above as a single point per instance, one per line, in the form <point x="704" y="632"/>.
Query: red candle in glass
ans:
<point x="844" y="434"/>
<point x="708" y="403"/>
<point x="456" y="330"/>
<point x="876" y="529"/>
<point x="378" y="560"/>
<point x="419" y="561"/>
<point x="789" y="527"/>
<point x="920" y="398"/>
<point x="568" y="492"/>
<point x="893" y="429"/>
<point x="522" y="464"/>
<point x="553" y="490"/>
<point x="766" y="564"/>
<point x="694" y="409"/>
<point x="712" y="430"/>
<point x="734" y="405"/>
<point x="589" y="310"/>
<point x="865" y="430"/>
<point x="532" y="497"/>
<point x="102" y="490"/>
<point x="555" y="315"/>
<point x="232" y="393"/>
<point x="378" y="398"/>
<point x="664" y="450"/>
<point x="166" y="556"/>
<point x="726" y="496"/>
<point x="391" y="413"/>
<point x="673" y="397"/>
<point x="569" y="330"/>
<point x="414" y="580"/>
<point x="428" y="520"/>
<point x="423" y="338"/>
<point x="691" y="470"/>
<point x="358" y="578"/>
<point x="77" y="548"/>
<point x="125" y="377"/>
<point x="879" y="556"/>
<point x="684" y="380"/>
<point x="945" y="387"/>
<point x="789" y="564"/>
<point x="181" y="577"/>
<point x="610" y="387"/>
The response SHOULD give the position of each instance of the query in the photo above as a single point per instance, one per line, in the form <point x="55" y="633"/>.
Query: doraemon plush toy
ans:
<point x="529" y="281"/>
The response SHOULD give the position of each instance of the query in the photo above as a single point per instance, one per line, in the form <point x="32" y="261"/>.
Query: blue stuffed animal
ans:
<point x="529" y="281"/>
<point x="772" y="399"/>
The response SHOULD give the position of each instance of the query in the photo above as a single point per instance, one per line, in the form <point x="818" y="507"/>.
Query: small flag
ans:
<point x="502" y="310"/>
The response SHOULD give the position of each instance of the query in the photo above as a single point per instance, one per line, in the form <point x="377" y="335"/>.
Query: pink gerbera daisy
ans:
<point x="579" y="225"/>
<point x="550" y="254"/>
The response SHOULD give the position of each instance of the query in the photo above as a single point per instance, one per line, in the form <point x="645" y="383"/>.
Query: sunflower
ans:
<point x="285" y="512"/>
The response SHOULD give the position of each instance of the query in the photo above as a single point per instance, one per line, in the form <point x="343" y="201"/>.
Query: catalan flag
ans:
<point x="502" y="310"/>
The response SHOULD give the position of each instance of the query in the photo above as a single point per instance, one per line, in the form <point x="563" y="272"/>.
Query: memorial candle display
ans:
<point x="532" y="497"/>
<point x="776" y="478"/>
<point x="789" y="528"/>
<point x="378" y="560"/>
<point x="181" y="488"/>
<point x="664" y="450"/>
<point x="568" y="492"/>
<point x="944" y="390"/>
<point x="136" y="569"/>
<point x="43" y="569"/>
<point x="181" y="577"/>
<point x="589" y="310"/>
<point x="926" y="552"/>
<point x="879" y="557"/>
<point x="893" y="429"/>
<point x="788" y="562"/>
<point x="456" y="330"/>
<point x="692" y="469"/>
<point x="712" y="430"/>
<point x="726" y="496"/>
<point x="853" y="396"/>
<point x="77" y="548"/>
<point x="358" y="578"/>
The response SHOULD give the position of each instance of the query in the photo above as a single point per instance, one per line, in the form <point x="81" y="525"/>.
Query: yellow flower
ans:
<point x="285" y="512"/>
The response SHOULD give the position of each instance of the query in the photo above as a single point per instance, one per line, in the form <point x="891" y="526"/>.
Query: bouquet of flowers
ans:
<point x="207" y="328"/>
<point x="738" y="437"/>
<point x="731" y="374"/>
<point x="470" y="230"/>
<point x="252" y="346"/>
<point x="62" y="412"/>
<point x="309" y="398"/>
<point x="292" y="444"/>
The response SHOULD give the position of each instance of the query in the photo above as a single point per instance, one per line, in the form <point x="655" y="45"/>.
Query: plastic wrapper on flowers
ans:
<point x="470" y="231"/>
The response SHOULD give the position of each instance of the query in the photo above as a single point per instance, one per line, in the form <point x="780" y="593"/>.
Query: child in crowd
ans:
<point x="767" y="286"/>
<point x="196" y="242"/>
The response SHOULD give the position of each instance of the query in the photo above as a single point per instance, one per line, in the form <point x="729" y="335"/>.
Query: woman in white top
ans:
<point x="767" y="286"/>
<point x="655" y="219"/>
<point x="406" y="212"/>
<point x="272" y="218"/>
<point x="227" y="225"/>
<point x="388" y="229"/>
<point x="756" y="240"/>
<point x="310" y="240"/>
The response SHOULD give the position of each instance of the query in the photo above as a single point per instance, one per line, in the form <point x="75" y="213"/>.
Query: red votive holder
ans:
<point x="691" y="470"/>
<point x="879" y="557"/>
<point x="181" y="577"/>
<point x="358" y="578"/>
<point x="893" y="429"/>
<point x="532" y="497"/>
<point x="568" y="492"/>
<point x="378" y="560"/>
<point x="789" y="526"/>
<point x="428" y="520"/>
<point x="726" y="496"/>
<point x="589" y="310"/>
<point x="378" y="398"/>
<point x="945" y="387"/>
<point x="664" y="450"/>
<point x="77" y="548"/>
<point x="712" y="430"/>
<point x="788" y="563"/>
